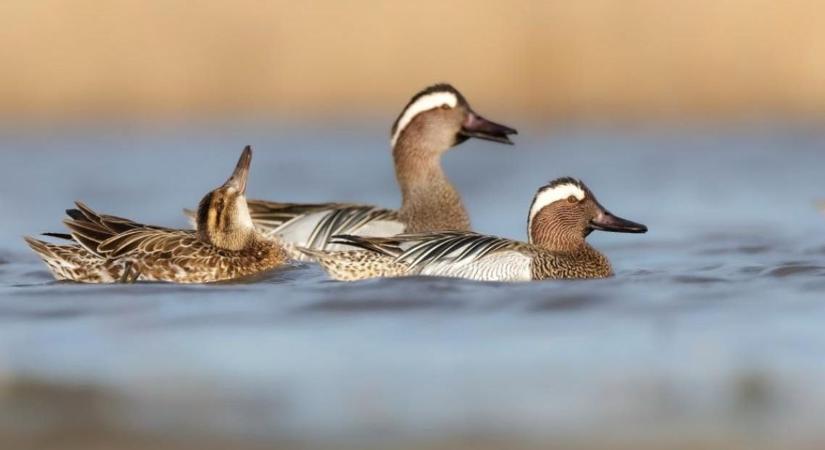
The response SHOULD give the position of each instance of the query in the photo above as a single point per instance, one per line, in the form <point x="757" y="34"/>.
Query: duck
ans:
<point x="563" y="213"/>
<point x="111" y="249"/>
<point x="435" y="120"/>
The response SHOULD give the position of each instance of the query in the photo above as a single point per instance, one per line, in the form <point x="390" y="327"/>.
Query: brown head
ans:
<point x="223" y="216"/>
<point x="565" y="211"/>
<point x="439" y="118"/>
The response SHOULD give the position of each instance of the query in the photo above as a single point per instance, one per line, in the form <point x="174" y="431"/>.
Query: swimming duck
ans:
<point x="435" y="120"/>
<point x="562" y="215"/>
<point x="110" y="249"/>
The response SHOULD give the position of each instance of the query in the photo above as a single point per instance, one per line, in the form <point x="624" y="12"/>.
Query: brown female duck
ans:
<point x="109" y="249"/>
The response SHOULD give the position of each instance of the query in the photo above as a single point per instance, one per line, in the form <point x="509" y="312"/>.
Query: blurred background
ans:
<point x="71" y="59"/>
<point x="701" y="119"/>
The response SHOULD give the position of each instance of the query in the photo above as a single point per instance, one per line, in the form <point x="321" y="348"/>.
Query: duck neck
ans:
<point x="429" y="200"/>
<point x="568" y="253"/>
<point x="225" y="224"/>
<point x="562" y="244"/>
<point x="235" y="240"/>
<point x="557" y="236"/>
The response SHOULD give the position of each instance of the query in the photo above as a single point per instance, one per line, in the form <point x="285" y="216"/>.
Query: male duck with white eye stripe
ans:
<point x="563" y="213"/>
<point x="435" y="120"/>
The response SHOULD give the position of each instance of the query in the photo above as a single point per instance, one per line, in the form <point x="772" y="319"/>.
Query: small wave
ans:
<point x="569" y="302"/>
<point x="789" y="270"/>
<point x="42" y="314"/>
<point x="697" y="279"/>
<point x="816" y="251"/>
<point x="756" y="249"/>
<point x="751" y="270"/>
<point x="370" y="305"/>
<point x="6" y="257"/>
<point x="69" y="289"/>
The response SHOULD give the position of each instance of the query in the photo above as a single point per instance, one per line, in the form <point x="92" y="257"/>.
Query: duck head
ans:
<point x="564" y="212"/>
<point x="439" y="117"/>
<point x="223" y="216"/>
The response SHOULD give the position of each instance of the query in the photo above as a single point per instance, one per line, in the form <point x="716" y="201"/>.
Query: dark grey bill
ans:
<point x="608" y="222"/>
<point x="241" y="172"/>
<point x="478" y="127"/>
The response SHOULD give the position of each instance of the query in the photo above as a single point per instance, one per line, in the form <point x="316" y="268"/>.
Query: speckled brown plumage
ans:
<point x="177" y="256"/>
<point x="358" y="265"/>
<point x="109" y="249"/>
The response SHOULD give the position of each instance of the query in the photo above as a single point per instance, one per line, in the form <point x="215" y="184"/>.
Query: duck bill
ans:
<point x="241" y="172"/>
<point x="475" y="126"/>
<point x="606" y="221"/>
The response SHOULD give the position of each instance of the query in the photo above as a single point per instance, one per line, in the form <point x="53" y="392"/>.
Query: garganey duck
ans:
<point x="435" y="120"/>
<point x="562" y="215"/>
<point x="110" y="249"/>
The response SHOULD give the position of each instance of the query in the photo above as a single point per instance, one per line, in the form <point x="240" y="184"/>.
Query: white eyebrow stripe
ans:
<point x="548" y="196"/>
<point x="425" y="103"/>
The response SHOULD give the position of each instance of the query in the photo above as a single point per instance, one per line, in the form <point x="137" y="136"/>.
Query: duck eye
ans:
<point x="572" y="199"/>
<point x="445" y="106"/>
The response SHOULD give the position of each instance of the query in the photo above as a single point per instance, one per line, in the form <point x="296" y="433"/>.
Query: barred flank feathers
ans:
<point x="430" y="248"/>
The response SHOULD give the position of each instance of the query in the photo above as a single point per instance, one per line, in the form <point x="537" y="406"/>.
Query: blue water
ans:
<point x="712" y="326"/>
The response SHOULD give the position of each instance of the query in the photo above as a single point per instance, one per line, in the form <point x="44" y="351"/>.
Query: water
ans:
<point x="711" y="332"/>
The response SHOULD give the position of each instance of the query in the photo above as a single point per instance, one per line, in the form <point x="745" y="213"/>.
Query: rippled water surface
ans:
<point x="713" y="328"/>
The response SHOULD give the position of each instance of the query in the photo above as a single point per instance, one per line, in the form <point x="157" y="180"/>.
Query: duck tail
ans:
<point x="50" y="255"/>
<point x="40" y="247"/>
<point x="65" y="236"/>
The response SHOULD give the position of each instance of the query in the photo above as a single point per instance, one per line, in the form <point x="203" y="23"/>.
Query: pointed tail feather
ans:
<point x="88" y="234"/>
<point x="65" y="236"/>
<point x="75" y="214"/>
<point x="112" y="224"/>
<point x="49" y="257"/>
<point x="384" y="246"/>
<point x="85" y="212"/>
<point x="39" y="247"/>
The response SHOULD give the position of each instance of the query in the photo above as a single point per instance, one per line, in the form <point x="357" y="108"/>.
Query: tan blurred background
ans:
<point x="557" y="58"/>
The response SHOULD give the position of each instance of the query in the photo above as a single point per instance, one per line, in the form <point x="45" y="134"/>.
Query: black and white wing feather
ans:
<point x="272" y="216"/>
<point x="352" y="219"/>
<point x="452" y="254"/>
<point x="312" y="226"/>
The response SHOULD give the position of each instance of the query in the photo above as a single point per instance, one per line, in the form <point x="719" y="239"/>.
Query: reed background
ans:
<point x="69" y="59"/>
